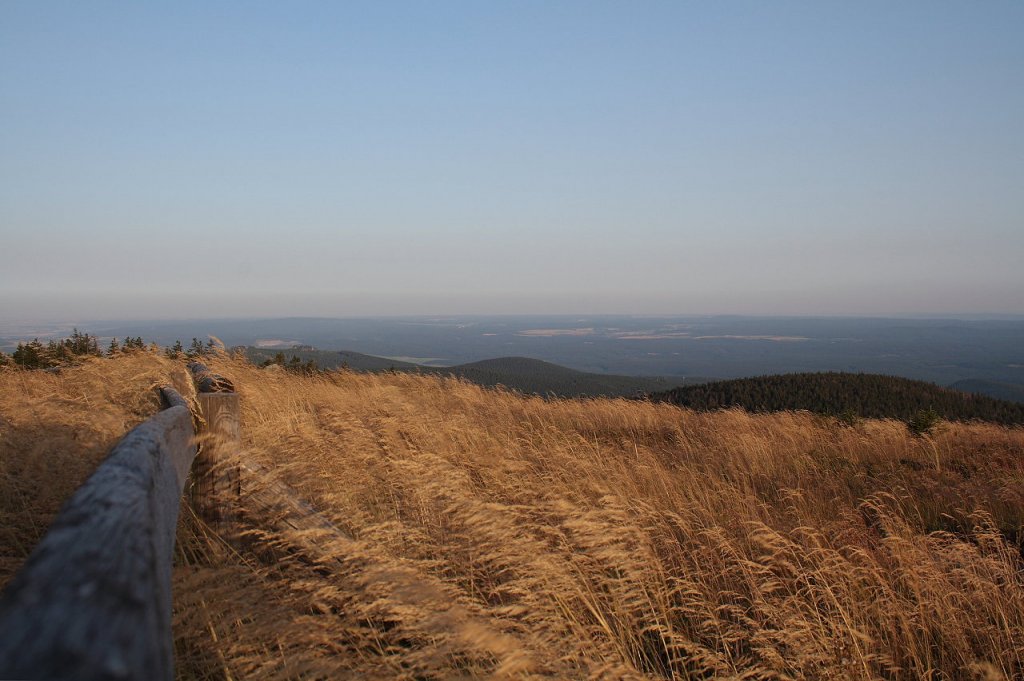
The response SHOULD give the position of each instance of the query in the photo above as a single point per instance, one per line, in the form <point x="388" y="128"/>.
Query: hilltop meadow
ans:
<point x="483" y="533"/>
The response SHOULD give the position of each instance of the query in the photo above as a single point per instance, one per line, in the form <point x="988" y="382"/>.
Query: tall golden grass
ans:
<point x="56" y="427"/>
<point x="476" y="533"/>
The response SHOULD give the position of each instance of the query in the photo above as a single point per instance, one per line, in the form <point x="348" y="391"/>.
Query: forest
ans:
<point x="844" y="394"/>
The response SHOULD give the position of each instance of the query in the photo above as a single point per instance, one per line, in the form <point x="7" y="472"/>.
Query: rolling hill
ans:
<point x="533" y="376"/>
<point x="526" y="375"/>
<point x="866" y="395"/>
<point x="331" y="359"/>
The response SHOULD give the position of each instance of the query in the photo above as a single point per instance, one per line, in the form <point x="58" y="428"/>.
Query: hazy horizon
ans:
<point x="264" y="160"/>
<point x="67" y="321"/>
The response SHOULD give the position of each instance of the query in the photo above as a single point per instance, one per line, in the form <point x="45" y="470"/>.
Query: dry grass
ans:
<point x="56" y="427"/>
<point x="478" y="533"/>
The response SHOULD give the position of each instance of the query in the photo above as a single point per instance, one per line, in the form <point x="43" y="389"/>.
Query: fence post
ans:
<point x="215" y="482"/>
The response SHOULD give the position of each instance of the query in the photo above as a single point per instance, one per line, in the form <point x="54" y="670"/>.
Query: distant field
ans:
<point x="483" y="533"/>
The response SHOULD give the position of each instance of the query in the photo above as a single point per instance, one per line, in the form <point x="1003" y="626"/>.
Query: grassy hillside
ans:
<point x="867" y="395"/>
<point x="488" y="534"/>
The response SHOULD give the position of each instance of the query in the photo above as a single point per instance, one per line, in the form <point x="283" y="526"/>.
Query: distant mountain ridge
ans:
<point x="330" y="359"/>
<point x="866" y="395"/>
<point x="998" y="389"/>
<point x="526" y="375"/>
<point x="544" y="378"/>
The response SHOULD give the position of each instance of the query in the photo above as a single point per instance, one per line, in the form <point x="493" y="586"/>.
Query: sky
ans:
<point x="215" y="159"/>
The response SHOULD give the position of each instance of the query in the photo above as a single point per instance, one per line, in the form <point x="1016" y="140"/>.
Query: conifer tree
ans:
<point x="30" y="355"/>
<point x="135" y="343"/>
<point x="195" y="350"/>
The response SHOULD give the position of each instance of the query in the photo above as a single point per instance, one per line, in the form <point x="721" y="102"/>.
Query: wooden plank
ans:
<point x="93" y="600"/>
<point x="222" y="413"/>
<point x="215" y="479"/>
<point x="278" y="505"/>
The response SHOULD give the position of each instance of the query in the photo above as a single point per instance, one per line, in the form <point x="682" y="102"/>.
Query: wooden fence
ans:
<point x="93" y="600"/>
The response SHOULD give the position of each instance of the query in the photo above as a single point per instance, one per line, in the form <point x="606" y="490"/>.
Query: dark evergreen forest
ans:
<point x="844" y="394"/>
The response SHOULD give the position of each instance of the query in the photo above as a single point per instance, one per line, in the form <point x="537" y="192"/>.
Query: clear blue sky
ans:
<point x="209" y="159"/>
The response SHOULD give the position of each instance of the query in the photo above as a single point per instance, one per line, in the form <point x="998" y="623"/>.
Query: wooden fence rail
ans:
<point x="93" y="600"/>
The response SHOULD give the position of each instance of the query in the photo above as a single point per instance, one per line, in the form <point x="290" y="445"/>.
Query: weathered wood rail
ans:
<point x="93" y="600"/>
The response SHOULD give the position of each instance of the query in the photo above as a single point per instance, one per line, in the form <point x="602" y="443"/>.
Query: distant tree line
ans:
<point x="62" y="352"/>
<point x="295" y="364"/>
<point x="848" y="396"/>
<point x="195" y="350"/>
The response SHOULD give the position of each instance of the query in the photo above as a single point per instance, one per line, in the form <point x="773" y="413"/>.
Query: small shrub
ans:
<point x="175" y="351"/>
<point x="848" y="417"/>
<point x="923" y="422"/>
